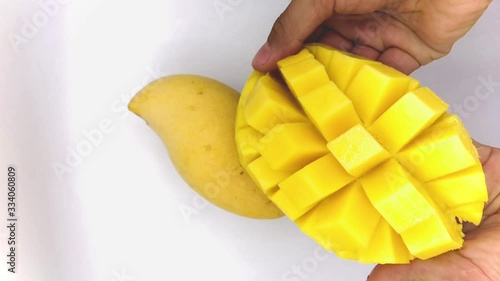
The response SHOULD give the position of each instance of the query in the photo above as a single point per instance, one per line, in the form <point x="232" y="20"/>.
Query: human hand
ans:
<point x="404" y="34"/>
<point x="479" y="258"/>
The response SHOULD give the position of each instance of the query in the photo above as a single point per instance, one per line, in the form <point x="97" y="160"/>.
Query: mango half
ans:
<point x="362" y="158"/>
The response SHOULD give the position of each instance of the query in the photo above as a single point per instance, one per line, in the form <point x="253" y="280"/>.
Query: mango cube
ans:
<point x="241" y="121"/>
<point x="446" y="120"/>
<point x="304" y="76"/>
<point x="439" y="152"/>
<point x="413" y="85"/>
<point x="346" y="219"/>
<point x="350" y="255"/>
<point x="357" y="151"/>
<point x="460" y="188"/>
<point x="265" y="177"/>
<point x="286" y="205"/>
<point x="291" y="146"/>
<point x="374" y="89"/>
<point x="343" y="66"/>
<point x="306" y="224"/>
<point x="408" y="116"/>
<point x="252" y="81"/>
<point x="302" y="55"/>
<point x="397" y="196"/>
<point x="320" y="53"/>
<point x="433" y="236"/>
<point x="325" y="107"/>
<point x="386" y="247"/>
<point x="315" y="181"/>
<point x="368" y="164"/>
<point x="247" y="150"/>
<point x="268" y="105"/>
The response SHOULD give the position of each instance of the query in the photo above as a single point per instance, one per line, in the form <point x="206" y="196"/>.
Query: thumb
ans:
<point x="449" y="266"/>
<point x="299" y="20"/>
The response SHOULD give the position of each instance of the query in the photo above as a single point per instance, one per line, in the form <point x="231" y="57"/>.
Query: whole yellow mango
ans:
<point x="195" y="118"/>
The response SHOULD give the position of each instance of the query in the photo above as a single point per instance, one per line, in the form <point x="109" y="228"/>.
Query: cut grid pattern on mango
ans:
<point x="363" y="159"/>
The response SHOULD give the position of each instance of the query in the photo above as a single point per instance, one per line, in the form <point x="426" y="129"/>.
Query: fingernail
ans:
<point x="262" y="55"/>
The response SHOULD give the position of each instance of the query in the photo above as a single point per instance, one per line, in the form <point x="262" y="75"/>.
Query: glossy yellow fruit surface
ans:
<point x="195" y="118"/>
<point x="363" y="159"/>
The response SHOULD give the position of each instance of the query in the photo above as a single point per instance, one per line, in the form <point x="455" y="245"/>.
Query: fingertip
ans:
<point x="267" y="57"/>
<point x="261" y="58"/>
<point x="300" y="21"/>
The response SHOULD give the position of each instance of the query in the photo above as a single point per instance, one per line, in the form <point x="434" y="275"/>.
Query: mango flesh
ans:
<point x="195" y="117"/>
<point x="378" y="172"/>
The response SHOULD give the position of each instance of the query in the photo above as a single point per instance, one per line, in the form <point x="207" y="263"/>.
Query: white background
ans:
<point x="114" y="214"/>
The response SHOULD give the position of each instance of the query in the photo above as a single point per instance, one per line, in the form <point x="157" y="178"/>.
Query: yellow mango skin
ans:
<point x="195" y="118"/>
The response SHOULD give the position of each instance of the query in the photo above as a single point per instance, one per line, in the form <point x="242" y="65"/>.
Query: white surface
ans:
<point x="115" y="214"/>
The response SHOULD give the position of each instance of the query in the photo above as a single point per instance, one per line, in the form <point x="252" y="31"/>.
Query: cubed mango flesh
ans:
<point x="325" y="106"/>
<point x="357" y="151"/>
<point x="241" y="121"/>
<point x="433" y="236"/>
<point x="291" y="146"/>
<point x="365" y="161"/>
<point x="398" y="196"/>
<point x="439" y="152"/>
<point x="340" y="66"/>
<point x="315" y="181"/>
<point x="248" y="138"/>
<point x="472" y="212"/>
<point x="374" y="88"/>
<point x="385" y="247"/>
<point x="346" y="220"/>
<point x="292" y="211"/>
<point x="463" y="187"/>
<point x="302" y="55"/>
<point x="266" y="177"/>
<point x="301" y="82"/>
<point x="408" y="116"/>
<point x="269" y="105"/>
